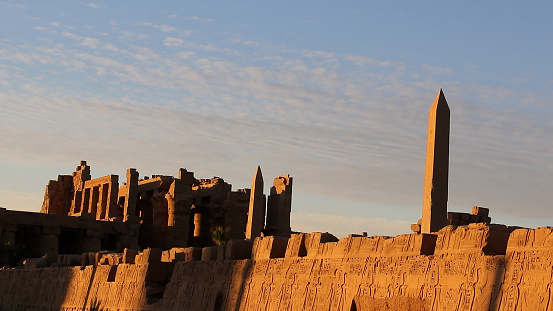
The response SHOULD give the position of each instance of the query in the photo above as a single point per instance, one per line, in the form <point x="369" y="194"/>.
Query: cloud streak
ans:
<point x="347" y="126"/>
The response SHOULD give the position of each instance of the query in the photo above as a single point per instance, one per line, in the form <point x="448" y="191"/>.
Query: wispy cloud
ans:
<point x="437" y="70"/>
<point x="198" y="19"/>
<point x="93" y="5"/>
<point x="12" y="5"/>
<point x="173" y="42"/>
<point x="164" y="28"/>
<point x="348" y="126"/>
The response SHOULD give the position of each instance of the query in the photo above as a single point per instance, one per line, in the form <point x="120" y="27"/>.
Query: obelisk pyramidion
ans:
<point x="434" y="202"/>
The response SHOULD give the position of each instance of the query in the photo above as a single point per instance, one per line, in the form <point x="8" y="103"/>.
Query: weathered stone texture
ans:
<point x="369" y="273"/>
<point x="279" y="207"/>
<point x="72" y="288"/>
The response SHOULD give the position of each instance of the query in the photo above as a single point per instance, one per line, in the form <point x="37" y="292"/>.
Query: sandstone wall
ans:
<point x="74" y="288"/>
<point x="475" y="267"/>
<point x="335" y="274"/>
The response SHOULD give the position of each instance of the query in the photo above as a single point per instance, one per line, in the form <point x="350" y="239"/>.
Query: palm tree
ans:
<point x="219" y="235"/>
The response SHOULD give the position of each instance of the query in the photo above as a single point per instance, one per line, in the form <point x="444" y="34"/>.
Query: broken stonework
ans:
<point x="238" y="249"/>
<point x="209" y="253"/>
<point x="269" y="247"/>
<point x="296" y="246"/>
<point x="129" y="255"/>
<point x="279" y="207"/>
<point x="488" y="239"/>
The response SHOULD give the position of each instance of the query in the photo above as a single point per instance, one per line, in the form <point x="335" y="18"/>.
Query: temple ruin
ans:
<point x="148" y="245"/>
<point x="80" y="214"/>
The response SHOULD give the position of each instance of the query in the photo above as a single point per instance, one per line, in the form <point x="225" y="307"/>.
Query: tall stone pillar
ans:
<point x="280" y="206"/>
<point x="178" y="209"/>
<point x="113" y="193"/>
<point x="434" y="204"/>
<point x="256" y="212"/>
<point x="81" y="174"/>
<point x="130" y="197"/>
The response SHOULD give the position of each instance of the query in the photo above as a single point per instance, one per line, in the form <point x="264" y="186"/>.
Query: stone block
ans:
<point x="104" y="260"/>
<point x="91" y="259"/>
<point x="474" y="238"/>
<point x="464" y="216"/>
<point x="269" y="247"/>
<point x="149" y="255"/>
<point x="60" y="259"/>
<point x="98" y="256"/>
<point x="416" y="228"/>
<point x="72" y="260"/>
<point x="33" y="263"/>
<point x="314" y="239"/>
<point x="129" y="255"/>
<point x="482" y="211"/>
<point x="453" y="215"/>
<point x="474" y="218"/>
<point x="239" y="249"/>
<point x="296" y="246"/>
<point x="84" y="259"/>
<point x="166" y="256"/>
<point x="410" y="244"/>
<point x="453" y="222"/>
<point x="221" y="250"/>
<point x="209" y="253"/>
<point x="192" y="254"/>
<point x="179" y="257"/>
<point x="523" y="239"/>
<point x="174" y="254"/>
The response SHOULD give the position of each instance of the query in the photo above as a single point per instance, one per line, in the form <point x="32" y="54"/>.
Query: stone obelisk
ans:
<point x="434" y="203"/>
<point x="256" y="213"/>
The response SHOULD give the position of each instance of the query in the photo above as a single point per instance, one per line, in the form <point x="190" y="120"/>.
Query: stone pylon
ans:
<point x="434" y="203"/>
<point x="256" y="212"/>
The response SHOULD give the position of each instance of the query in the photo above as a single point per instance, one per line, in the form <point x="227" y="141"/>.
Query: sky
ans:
<point x="336" y="94"/>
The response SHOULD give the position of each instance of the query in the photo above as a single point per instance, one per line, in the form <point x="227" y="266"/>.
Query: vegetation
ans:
<point x="219" y="235"/>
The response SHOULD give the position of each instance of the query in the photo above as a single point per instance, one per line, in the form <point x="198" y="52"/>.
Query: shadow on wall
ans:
<point x="240" y="277"/>
<point x="396" y="303"/>
<point x="353" y="306"/>
<point x="95" y="306"/>
<point x="495" y="299"/>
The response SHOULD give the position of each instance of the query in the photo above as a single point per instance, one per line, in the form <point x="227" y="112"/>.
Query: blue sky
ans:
<point x="335" y="94"/>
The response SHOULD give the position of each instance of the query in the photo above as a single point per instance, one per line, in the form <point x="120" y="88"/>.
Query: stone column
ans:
<point x="434" y="206"/>
<point x="280" y="206"/>
<point x="129" y="210"/>
<point x="81" y="174"/>
<point x="178" y="209"/>
<point x="256" y="212"/>
<point x="113" y="193"/>
<point x="48" y="242"/>
<point x="197" y="225"/>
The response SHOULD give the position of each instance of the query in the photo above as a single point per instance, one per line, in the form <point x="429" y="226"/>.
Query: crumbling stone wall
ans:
<point x="475" y="267"/>
<point x="74" y="288"/>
